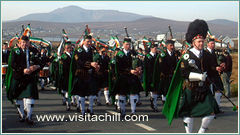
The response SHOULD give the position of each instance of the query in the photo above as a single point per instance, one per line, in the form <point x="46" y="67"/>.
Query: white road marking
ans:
<point x="112" y="112"/>
<point x="145" y="127"/>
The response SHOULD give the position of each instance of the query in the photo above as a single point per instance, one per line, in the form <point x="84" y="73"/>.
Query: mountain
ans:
<point x="138" y="28"/>
<point x="222" y="22"/>
<point x="75" y="14"/>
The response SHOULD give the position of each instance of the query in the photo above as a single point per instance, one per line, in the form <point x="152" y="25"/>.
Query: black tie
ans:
<point x="200" y="54"/>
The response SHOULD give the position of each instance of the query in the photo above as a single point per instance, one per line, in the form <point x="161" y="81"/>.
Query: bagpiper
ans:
<point x="123" y="74"/>
<point x="196" y="98"/>
<point x="103" y="60"/>
<point x="64" y="69"/>
<point x="152" y="74"/>
<point x="25" y="64"/>
<point x="214" y="70"/>
<point x="169" y="63"/>
<point x="83" y="72"/>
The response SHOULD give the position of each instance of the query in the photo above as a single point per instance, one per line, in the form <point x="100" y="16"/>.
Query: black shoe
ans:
<point x="155" y="110"/>
<point x="163" y="102"/>
<point x="25" y="112"/>
<point x="78" y="109"/>
<point x="151" y="101"/>
<point x="29" y="121"/>
<point x="21" y="119"/>
<point x="108" y="104"/>
<point x="139" y="103"/>
<point x="88" y="111"/>
<point x="122" y="116"/>
<point x="133" y="114"/>
<point x="63" y="102"/>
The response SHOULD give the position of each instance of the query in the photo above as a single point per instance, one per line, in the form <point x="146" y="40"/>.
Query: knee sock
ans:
<point x="218" y="97"/>
<point x="205" y="123"/>
<point x="122" y="102"/>
<point x="20" y="107"/>
<point x="82" y="105"/>
<point x="91" y="100"/>
<point x="188" y="123"/>
<point x="133" y="102"/>
<point x="106" y="94"/>
<point x="29" y="103"/>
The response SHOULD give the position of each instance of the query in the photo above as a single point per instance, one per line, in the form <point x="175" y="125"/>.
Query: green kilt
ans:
<point x="122" y="85"/>
<point x="135" y="85"/>
<point x="18" y="91"/>
<point x="188" y="108"/>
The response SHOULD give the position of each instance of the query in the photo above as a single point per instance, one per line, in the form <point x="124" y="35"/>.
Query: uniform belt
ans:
<point x="191" y="85"/>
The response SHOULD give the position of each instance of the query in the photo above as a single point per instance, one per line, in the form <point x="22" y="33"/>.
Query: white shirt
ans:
<point x="153" y="54"/>
<point x="126" y="52"/>
<point x="210" y="50"/>
<point x="170" y="53"/>
<point x="68" y="54"/>
<point x="85" y="48"/>
<point x="195" y="52"/>
<point x="4" y="51"/>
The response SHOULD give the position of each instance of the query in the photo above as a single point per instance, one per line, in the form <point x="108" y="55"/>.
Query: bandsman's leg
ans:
<point x="30" y="104"/>
<point x="82" y="105"/>
<point x="67" y="102"/>
<point x="117" y="102"/>
<point x="153" y="100"/>
<point x="188" y="124"/>
<point x="205" y="123"/>
<point x="133" y="101"/>
<point x="122" y="103"/>
<point x="20" y="108"/>
<point x="91" y="101"/>
<point x="106" y="94"/>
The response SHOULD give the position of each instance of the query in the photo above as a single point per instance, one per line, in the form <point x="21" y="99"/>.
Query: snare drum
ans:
<point x="4" y="69"/>
<point x="44" y="72"/>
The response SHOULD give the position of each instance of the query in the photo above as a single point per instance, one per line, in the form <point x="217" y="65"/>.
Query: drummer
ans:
<point x="5" y="55"/>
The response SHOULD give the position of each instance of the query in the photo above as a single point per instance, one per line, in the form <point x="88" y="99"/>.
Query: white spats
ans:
<point x="29" y="103"/>
<point x="163" y="98"/>
<point x="117" y="102"/>
<point x="82" y="105"/>
<point x="188" y="124"/>
<point x="99" y="96"/>
<point x="20" y="108"/>
<point x="133" y="102"/>
<point x="205" y="123"/>
<point x="122" y="102"/>
<point x="106" y="94"/>
<point x="91" y="100"/>
<point x="78" y="101"/>
<point x="154" y="98"/>
<point x="218" y="97"/>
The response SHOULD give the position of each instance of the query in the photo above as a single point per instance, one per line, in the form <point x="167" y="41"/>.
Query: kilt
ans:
<point x="188" y="108"/>
<point x="28" y="90"/>
<point x="84" y="87"/>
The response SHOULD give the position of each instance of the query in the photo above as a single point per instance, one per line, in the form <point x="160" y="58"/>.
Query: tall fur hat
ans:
<point x="196" y="29"/>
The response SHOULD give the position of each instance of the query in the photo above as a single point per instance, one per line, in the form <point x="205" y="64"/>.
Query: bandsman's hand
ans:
<point x="97" y="68"/>
<point x="94" y="64"/>
<point x="223" y="65"/>
<point x="34" y="67"/>
<point x="219" y="69"/>
<point x="27" y="71"/>
<point x="133" y="72"/>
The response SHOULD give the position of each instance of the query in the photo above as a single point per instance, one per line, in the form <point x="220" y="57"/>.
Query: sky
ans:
<point x="180" y="11"/>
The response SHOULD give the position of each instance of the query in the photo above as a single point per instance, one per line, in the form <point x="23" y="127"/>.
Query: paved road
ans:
<point x="50" y="104"/>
